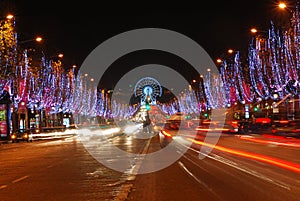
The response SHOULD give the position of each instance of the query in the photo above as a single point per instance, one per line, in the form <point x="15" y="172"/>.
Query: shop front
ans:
<point x="5" y="117"/>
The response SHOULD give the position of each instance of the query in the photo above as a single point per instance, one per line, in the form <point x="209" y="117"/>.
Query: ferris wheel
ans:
<point x="148" y="89"/>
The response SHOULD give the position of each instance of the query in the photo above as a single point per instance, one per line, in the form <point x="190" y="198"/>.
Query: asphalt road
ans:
<point x="69" y="169"/>
<point x="221" y="176"/>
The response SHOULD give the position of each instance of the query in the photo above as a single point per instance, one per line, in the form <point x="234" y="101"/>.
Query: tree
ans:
<point x="8" y="48"/>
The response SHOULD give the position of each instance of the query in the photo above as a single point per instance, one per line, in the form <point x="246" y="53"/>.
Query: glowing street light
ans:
<point x="58" y="56"/>
<point x="9" y="16"/>
<point x="36" y="39"/>
<point x="219" y="61"/>
<point x="253" y="30"/>
<point x="282" y="5"/>
<point x="230" y="51"/>
<point x="258" y="32"/>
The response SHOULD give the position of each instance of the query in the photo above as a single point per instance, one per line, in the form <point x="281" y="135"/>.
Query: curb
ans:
<point x="4" y="142"/>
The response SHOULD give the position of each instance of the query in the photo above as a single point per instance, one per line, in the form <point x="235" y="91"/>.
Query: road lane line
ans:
<point x="3" y="186"/>
<point x="123" y="193"/>
<point x="140" y="158"/>
<point x="20" y="179"/>
<point x="258" y="157"/>
<point x="243" y="169"/>
<point x="248" y="171"/>
<point x="198" y="180"/>
<point x="50" y="166"/>
<point x="132" y="172"/>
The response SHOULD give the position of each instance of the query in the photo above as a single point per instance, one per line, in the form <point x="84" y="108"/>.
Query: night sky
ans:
<point x="76" y="28"/>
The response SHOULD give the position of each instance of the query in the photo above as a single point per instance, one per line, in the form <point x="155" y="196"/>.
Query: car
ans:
<point x="35" y="130"/>
<point x="287" y="128"/>
<point x="167" y="131"/>
<point x="166" y="136"/>
<point x="21" y="135"/>
<point x="228" y="127"/>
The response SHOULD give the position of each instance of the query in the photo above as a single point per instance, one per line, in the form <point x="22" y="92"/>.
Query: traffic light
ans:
<point x="147" y="106"/>
<point x="255" y="109"/>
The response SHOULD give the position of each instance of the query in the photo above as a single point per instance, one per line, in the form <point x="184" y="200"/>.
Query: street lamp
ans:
<point x="282" y="5"/>
<point x="285" y="20"/>
<point x="37" y="39"/>
<point x="230" y="51"/>
<point x="219" y="60"/>
<point x="225" y="56"/>
<point x="258" y="33"/>
<point x="60" y="56"/>
<point x="253" y="30"/>
<point x="9" y="16"/>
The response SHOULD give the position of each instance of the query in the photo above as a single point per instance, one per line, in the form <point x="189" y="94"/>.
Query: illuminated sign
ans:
<point x="3" y="123"/>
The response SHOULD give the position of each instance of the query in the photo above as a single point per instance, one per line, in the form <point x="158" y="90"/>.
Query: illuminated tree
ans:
<point x="8" y="48"/>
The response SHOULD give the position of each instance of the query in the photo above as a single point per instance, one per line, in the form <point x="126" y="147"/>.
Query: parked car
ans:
<point x="35" y="130"/>
<point x="21" y="135"/>
<point x="288" y="128"/>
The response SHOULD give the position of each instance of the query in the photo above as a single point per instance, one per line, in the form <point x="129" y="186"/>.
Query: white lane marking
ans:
<point x="131" y="174"/>
<point x="198" y="180"/>
<point x="3" y="186"/>
<point x="251" y="172"/>
<point x="20" y="179"/>
<point x="123" y="193"/>
<point x="244" y="169"/>
<point x="115" y="184"/>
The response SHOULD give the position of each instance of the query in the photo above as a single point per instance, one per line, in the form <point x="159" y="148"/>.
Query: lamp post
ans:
<point x="26" y="115"/>
<point x="36" y="39"/>
<point x="224" y="56"/>
<point x="285" y="20"/>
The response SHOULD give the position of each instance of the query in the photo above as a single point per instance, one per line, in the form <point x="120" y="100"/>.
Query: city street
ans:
<point x="150" y="104"/>
<point x="62" y="169"/>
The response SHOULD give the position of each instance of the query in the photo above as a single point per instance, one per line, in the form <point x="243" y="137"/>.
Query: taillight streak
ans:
<point x="273" y="161"/>
<point x="166" y="134"/>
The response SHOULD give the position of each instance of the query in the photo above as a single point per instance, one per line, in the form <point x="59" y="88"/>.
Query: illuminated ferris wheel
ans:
<point x="148" y="89"/>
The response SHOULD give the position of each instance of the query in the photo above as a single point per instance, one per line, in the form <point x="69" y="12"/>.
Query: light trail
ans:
<point x="270" y="160"/>
<point x="291" y="144"/>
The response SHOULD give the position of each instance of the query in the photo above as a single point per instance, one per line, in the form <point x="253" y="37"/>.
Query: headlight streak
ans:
<point x="266" y="159"/>
<point x="291" y="144"/>
<point x="238" y="167"/>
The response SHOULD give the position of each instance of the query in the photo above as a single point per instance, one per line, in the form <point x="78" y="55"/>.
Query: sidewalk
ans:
<point x="4" y="141"/>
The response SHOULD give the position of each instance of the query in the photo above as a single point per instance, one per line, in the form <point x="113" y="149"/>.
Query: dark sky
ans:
<point x="76" y="28"/>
